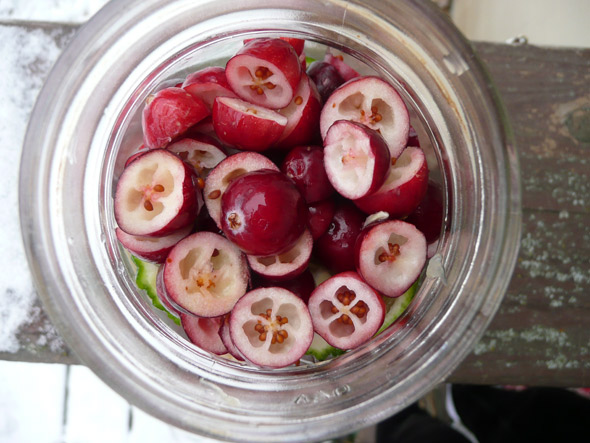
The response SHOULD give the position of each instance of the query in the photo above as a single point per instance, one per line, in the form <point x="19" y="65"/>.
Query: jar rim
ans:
<point x="111" y="330"/>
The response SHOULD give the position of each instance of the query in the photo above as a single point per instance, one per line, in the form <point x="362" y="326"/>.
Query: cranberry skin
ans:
<point x="336" y="247"/>
<point x="326" y="77"/>
<point x="320" y="217"/>
<point x="263" y="213"/>
<point x="302" y="285"/>
<point x="170" y="113"/>
<point x="305" y="166"/>
<point x="428" y="216"/>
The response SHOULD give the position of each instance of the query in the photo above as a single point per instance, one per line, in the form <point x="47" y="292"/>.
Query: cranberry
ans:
<point x="263" y="213"/>
<point x="326" y="77"/>
<point x="335" y="248"/>
<point x="302" y="285"/>
<point x="320" y="217"/>
<point x="305" y="166"/>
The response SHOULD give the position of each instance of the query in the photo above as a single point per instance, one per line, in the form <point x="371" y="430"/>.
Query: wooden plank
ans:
<point x="547" y="96"/>
<point x="541" y="333"/>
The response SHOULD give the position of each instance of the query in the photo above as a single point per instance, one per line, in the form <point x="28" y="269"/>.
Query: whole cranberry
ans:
<point x="320" y="217"/>
<point x="305" y="166"/>
<point x="326" y="77"/>
<point x="336" y="247"/>
<point x="263" y="213"/>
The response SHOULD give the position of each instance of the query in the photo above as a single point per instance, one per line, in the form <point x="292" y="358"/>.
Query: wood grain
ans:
<point x="541" y="334"/>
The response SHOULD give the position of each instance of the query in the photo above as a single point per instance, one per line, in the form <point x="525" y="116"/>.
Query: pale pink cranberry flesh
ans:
<point x="428" y="216"/>
<point x="346" y="311"/>
<point x="373" y="102"/>
<point x="286" y="265"/>
<point x="263" y="213"/>
<point x="320" y="217"/>
<point x="225" y="172"/>
<point x="305" y="166"/>
<point x="335" y="248"/>
<point x="227" y="341"/>
<point x="246" y="126"/>
<point x="204" y="332"/>
<point x="303" y="116"/>
<point x="344" y="69"/>
<point x="302" y="285"/>
<point x="404" y="186"/>
<point x="208" y="83"/>
<point x="154" y="249"/>
<point x="156" y="195"/>
<point x="271" y="327"/>
<point x="326" y="78"/>
<point x="265" y="71"/>
<point x="200" y="151"/>
<point x="356" y="159"/>
<point x="205" y="274"/>
<point x="168" y="114"/>
<point x="390" y="256"/>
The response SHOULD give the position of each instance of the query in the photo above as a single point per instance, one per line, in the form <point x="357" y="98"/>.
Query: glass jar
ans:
<point x="79" y="135"/>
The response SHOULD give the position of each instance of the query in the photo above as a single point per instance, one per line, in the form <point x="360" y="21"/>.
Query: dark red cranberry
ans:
<point x="336" y="247"/>
<point x="305" y="166"/>
<point x="320" y="217"/>
<point x="428" y="216"/>
<point x="263" y="213"/>
<point x="302" y="285"/>
<point x="326" y="78"/>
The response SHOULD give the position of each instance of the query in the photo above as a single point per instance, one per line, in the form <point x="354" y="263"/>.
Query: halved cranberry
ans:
<point x="204" y="332"/>
<point x="356" y="159"/>
<point x="263" y="213"/>
<point x="390" y="255"/>
<point x="154" y="249"/>
<point x="208" y="83"/>
<point x="286" y="265"/>
<point x="271" y="327"/>
<point x="346" y="311"/>
<point x="335" y="248"/>
<point x="404" y="186"/>
<point x="200" y="151"/>
<point x="246" y="126"/>
<point x="303" y="116"/>
<point x="227" y="341"/>
<point x="205" y="274"/>
<point x="265" y="71"/>
<point x="373" y="102"/>
<point x="157" y="194"/>
<point x="168" y="114"/>
<point x="305" y="166"/>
